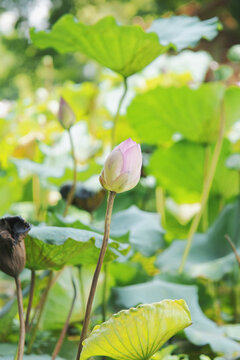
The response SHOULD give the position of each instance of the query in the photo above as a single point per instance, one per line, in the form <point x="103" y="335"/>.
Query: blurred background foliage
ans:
<point x="28" y="68"/>
<point x="36" y="161"/>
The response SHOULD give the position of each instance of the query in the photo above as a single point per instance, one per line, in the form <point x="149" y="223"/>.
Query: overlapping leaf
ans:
<point x="52" y="247"/>
<point x="137" y="333"/>
<point x="123" y="49"/>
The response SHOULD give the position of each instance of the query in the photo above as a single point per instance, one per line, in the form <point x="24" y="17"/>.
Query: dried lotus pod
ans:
<point x="13" y="230"/>
<point x="84" y="198"/>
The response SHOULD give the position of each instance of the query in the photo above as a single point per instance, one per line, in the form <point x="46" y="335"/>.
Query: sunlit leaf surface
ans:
<point x="139" y="332"/>
<point x="124" y="49"/>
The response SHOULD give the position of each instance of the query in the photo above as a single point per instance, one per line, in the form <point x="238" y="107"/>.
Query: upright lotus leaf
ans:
<point x="194" y="113"/>
<point x="180" y="170"/>
<point x="139" y="332"/>
<point x="185" y="31"/>
<point x="123" y="49"/>
<point x="52" y="247"/>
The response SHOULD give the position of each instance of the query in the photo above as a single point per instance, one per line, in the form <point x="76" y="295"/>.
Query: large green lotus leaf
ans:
<point x="52" y="247"/>
<point x="194" y="113"/>
<point x="124" y="49"/>
<point x="210" y="255"/>
<point x="139" y="332"/>
<point x="180" y="170"/>
<point x="185" y="31"/>
<point x="203" y="330"/>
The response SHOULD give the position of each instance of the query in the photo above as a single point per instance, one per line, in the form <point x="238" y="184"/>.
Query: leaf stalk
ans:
<point x="111" y="197"/>
<point x="66" y="325"/>
<point x="115" y="119"/>
<point x="21" y="318"/>
<point x="206" y="189"/>
<point x="30" y="299"/>
<point x="74" y="184"/>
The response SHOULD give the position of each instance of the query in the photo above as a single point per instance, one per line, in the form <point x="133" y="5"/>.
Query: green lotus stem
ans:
<point x="36" y="195"/>
<point x="74" y="184"/>
<point x="30" y="299"/>
<point x="21" y="318"/>
<point x="66" y="325"/>
<point x="160" y="204"/>
<point x="115" y="119"/>
<point x="104" y="293"/>
<point x="111" y="197"/>
<point x="41" y="308"/>
<point x="237" y="256"/>
<point x="82" y="292"/>
<point x="237" y="227"/>
<point x="205" y="174"/>
<point x="206" y="190"/>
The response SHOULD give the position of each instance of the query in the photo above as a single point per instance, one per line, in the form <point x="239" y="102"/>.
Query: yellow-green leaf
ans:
<point x="139" y="332"/>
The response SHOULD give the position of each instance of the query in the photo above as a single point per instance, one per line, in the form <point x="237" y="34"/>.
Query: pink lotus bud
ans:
<point x="66" y="116"/>
<point x="122" y="168"/>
